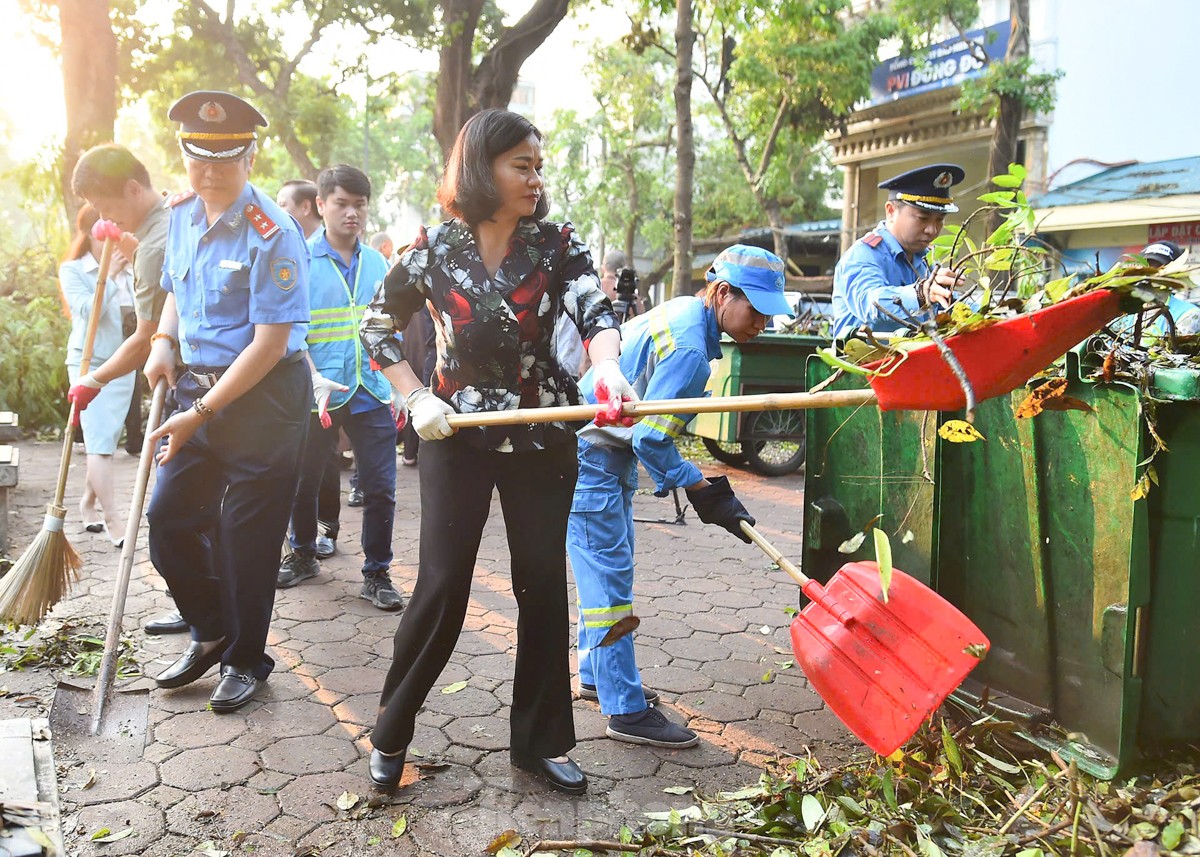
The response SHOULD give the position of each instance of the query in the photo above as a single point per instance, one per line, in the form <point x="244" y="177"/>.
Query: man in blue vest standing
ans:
<point x="348" y="393"/>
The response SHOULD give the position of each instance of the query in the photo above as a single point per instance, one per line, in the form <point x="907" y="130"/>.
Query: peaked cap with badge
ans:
<point x="927" y="188"/>
<point x="215" y="126"/>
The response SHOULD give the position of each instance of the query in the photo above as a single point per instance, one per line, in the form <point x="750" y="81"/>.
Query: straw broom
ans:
<point x="44" y="572"/>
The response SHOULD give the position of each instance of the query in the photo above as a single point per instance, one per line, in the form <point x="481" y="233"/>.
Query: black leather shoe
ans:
<point x="190" y="666"/>
<point x="386" y="771"/>
<point x="171" y="623"/>
<point x="562" y="776"/>
<point x="234" y="690"/>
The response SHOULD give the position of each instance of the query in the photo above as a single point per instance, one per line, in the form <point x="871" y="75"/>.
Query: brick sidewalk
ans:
<point x="267" y="777"/>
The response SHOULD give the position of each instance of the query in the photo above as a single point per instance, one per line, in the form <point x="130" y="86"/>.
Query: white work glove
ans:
<point x="612" y="389"/>
<point x="323" y="388"/>
<point x="428" y="414"/>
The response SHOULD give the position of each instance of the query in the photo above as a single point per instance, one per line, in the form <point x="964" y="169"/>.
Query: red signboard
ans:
<point x="1180" y="233"/>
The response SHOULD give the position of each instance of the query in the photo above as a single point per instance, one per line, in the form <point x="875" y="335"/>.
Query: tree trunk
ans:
<point x="685" y="152"/>
<point x="775" y="219"/>
<point x="635" y="204"/>
<point x="89" y="68"/>
<point x="1006" y="134"/>
<point x="463" y="92"/>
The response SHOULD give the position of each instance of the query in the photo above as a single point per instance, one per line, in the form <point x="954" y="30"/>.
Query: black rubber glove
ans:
<point x="717" y="504"/>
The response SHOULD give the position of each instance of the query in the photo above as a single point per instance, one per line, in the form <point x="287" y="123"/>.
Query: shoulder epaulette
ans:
<point x="263" y="225"/>
<point x="872" y="239"/>
<point x="176" y="198"/>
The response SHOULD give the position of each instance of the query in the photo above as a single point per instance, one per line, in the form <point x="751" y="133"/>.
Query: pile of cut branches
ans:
<point x="978" y="791"/>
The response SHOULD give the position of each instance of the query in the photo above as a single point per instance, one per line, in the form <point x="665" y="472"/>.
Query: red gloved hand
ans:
<point x="81" y="395"/>
<point x="612" y="391"/>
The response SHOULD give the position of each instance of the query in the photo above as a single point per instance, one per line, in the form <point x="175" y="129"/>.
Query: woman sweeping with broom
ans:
<point x="497" y="276"/>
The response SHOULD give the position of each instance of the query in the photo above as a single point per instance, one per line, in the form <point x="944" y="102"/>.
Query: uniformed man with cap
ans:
<point x="236" y="276"/>
<point x="887" y="269"/>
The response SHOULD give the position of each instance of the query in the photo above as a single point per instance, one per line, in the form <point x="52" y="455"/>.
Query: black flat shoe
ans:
<point x="562" y="776"/>
<point x="190" y="666"/>
<point x="234" y="690"/>
<point x="386" y="771"/>
<point x="171" y="623"/>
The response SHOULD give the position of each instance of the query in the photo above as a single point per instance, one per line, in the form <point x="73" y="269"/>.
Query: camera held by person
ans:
<point x="626" y="302"/>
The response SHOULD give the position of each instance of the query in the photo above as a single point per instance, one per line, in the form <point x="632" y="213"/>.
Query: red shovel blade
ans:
<point x="997" y="359"/>
<point x="888" y="668"/>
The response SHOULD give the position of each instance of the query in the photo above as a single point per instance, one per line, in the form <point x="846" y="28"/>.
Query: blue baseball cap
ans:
<point x="757" y="272"/>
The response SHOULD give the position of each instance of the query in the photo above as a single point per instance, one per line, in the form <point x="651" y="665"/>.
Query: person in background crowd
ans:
<point x="383" y="243"/>
<point x="236" y="315"/>
<point x="666" y="352"/>
<point x="497" y="276"/>
<point x="102" y="422"/>
<point x="887" y="271"/>
<point x="349" y="394"/>
<point x="298" y="197"/>
<point x="118" y="186"/>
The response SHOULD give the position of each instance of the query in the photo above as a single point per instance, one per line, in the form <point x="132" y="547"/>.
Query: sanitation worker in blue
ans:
<point x="348" y="393"/>
<point x="665" y="353"/>
<point x="887" y="270"/>
<point x="236" y="314"/>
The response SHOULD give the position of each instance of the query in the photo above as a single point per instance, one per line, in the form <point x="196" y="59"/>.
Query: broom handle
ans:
<point x="85" y="363"/>
<point x="815" y="591"/>
<point x="701" y="405"/>
<point x="112" y="640"/>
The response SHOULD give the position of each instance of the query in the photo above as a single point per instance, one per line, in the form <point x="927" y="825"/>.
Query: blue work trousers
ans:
<point x="372" y="436"/>
<point x="220" y="507"/>
<point x="600" y="544"/>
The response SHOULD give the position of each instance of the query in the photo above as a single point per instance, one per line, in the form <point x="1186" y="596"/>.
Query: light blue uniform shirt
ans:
<point x="227" y="278"/>
<point x="665" y="354"/>
<point x="866" y="276"/>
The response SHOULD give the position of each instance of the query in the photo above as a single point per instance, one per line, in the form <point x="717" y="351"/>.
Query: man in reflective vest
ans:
<point x="348" y="393"/>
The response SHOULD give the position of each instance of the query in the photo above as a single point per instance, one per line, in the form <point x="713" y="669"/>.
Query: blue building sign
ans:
<point x="944" y="64"/>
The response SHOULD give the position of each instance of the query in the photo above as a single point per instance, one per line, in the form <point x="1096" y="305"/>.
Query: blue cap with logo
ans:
<point x="757" y="272"/>
<point x="215" y="126"/>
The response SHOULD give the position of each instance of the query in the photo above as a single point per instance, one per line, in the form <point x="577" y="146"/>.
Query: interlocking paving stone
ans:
<point x="197" y="770"/>
<point x="144" y="820"/>
<point x="199" y="729"/>
<point x="309" y="754"/>
<point x="113" y="782"/>
<point x="221" y="813"/>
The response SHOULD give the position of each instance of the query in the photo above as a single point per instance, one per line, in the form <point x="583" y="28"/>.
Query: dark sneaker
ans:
<point x="652" y="728"/>
<point x="588" y="691"/>
<point x="355" y="498"/>
<point x="378" y="589"/>
<point x="297" y="566"/>
<point x="326" y="547"/>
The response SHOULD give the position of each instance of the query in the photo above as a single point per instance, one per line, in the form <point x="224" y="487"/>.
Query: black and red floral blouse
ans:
<point x="495" y="335"/>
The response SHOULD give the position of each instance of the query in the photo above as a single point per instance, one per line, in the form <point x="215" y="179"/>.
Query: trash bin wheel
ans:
<point x="726" y="453"/>
<point x="774" y="442"/>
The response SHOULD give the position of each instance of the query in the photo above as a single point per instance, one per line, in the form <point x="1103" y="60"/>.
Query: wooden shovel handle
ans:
<point x="85" y="364"/>
<point x="815" y="591"/>
<point x="701" y="405"/>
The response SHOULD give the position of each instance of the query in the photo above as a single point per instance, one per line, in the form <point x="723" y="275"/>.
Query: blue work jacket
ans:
<point x="665" y="354"/>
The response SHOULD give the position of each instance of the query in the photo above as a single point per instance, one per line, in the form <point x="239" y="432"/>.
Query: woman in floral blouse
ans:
<point x="496" y="276"/>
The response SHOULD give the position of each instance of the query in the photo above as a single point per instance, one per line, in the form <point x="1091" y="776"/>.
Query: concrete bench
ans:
<point x="10" y="427"/>
<point x="10" y="459"/>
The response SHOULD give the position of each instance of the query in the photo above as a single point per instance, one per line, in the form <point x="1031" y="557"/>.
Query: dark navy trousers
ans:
<point x="219" y="512"/>
<point x="372" y="436"/>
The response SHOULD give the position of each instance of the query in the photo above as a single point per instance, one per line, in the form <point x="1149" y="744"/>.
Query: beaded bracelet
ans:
<point x="174" y="342"/>
<point x="203" y="410"/>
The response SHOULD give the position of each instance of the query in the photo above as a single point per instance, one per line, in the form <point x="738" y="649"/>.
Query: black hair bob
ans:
<point x="350" y="179"/>
<point x="468" y="191"/>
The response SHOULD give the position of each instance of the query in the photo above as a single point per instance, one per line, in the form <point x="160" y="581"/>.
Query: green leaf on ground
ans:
<point x="454" y="688"/>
